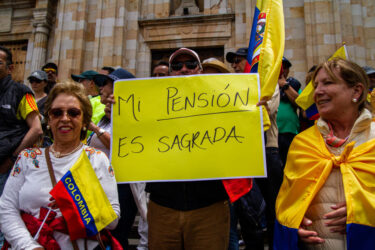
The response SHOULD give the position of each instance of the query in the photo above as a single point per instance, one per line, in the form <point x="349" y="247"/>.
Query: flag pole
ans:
<point x="41" y="226"/>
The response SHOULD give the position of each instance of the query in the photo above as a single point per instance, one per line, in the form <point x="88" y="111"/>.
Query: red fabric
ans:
<point x="108" y="239"/>
<point x="46" y="234"/>
<point x="236" y="188"/>
<point x="56" y="224"/>
<point x="247" y="67"/>
<point x="115" y="244"/>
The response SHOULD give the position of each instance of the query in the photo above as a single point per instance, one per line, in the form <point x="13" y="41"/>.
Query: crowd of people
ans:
<point x="311" y="169"/>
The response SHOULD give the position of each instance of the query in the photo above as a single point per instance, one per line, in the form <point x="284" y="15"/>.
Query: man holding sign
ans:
<point x="186" y="129"/>
<point x="182" y="215"/>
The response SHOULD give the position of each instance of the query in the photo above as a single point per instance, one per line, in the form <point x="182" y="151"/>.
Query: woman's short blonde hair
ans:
<point x="76" y="90"/>
<point x="350" y="72"/>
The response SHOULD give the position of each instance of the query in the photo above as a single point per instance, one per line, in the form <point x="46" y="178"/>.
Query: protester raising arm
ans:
<point x="288" y="90"/>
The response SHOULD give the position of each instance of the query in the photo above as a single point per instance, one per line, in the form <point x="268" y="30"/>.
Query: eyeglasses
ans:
<point x="58" y="112"/>
<point x="32" y="80"/>
<point x="189" y="64"/>
<point x="47" y="70"/>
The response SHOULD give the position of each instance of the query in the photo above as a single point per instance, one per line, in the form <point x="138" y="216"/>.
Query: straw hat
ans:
<point x="217" y="64"/>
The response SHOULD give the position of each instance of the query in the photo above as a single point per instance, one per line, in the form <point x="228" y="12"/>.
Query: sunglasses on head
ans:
<point x="189" y="64"/>
<point x="35" y="80"/>
<point x="58" y="112"/>
<point x="49" y="70"/>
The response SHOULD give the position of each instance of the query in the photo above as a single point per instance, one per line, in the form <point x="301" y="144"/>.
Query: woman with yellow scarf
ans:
<point x="327" y="199"/>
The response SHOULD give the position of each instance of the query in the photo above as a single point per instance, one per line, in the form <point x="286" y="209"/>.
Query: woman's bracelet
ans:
<point x="100" y="132"/>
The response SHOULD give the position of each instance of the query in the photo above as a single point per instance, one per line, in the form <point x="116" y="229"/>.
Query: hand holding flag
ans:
<point x="82" y="200"/>
<point x="265" y="53"/>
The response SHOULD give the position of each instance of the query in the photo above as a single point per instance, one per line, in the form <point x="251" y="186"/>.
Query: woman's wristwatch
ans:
<point x="285" y="87"/>
<point x="100" y="132"/>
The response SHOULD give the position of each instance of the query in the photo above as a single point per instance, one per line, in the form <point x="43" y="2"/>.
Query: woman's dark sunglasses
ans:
<point x="35" y="80"/>
<point x="189" y="64"/>
<point x="57" y="112"/>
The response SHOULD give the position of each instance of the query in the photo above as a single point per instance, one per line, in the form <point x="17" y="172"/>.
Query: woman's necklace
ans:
<point x="59" y="155"/>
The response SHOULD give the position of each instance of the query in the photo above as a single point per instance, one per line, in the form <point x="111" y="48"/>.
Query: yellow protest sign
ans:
<point x="184" y="128"/>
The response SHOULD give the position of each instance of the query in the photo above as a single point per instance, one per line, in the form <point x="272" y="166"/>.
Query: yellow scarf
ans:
<point x="308" y="166"/>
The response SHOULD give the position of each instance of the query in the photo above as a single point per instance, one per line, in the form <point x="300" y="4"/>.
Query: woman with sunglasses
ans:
<point x="68" y="112"/>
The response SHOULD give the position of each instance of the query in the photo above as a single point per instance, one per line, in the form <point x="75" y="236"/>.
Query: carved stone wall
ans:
<point x="330" y="23"/>
<point x="89" y="34"/>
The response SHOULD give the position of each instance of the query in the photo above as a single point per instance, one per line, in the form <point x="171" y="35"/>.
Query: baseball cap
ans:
<point x="38" y="74"/>
<point x="286" y="62"/>
<point x="184" y="51"/>
<point x="369" y="70"/>
<point x="118" y="74"/>
<point x="215" y="63"/>
<point x="89" y="74"/>
<point x="240" y="52"/>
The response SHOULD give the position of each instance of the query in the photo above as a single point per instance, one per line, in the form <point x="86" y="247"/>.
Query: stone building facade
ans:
<point x="80" y="35"/>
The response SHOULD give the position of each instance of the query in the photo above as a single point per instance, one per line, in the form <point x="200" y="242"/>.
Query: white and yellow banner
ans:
<point x="187" y="128"/>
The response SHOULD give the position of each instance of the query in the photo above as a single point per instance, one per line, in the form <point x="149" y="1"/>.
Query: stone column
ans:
<point x="42" y="28"/>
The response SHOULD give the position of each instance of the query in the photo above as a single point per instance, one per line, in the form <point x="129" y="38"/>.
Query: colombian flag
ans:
<point x="306" y="99"/>
<point x="265" y="52"/>
<point x="264" y="56"/>
<point x="308" y="166"/>
<point x="82" y="201"/>
<point x="266" y="45"/>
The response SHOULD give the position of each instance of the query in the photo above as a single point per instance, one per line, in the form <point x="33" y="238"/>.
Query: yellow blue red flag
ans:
<point x="266" y="45"/>
<point x="82" y="201"/>
<point x="308" y="166"/>
<point x="264" y="56"/>
<point x="306" y="99"/>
